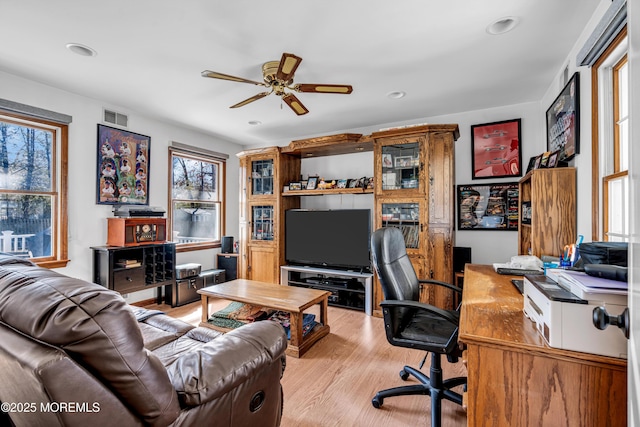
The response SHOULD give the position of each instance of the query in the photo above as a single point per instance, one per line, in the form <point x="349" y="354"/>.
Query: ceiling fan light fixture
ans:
<point x="81" y="49"/>
<point x="503" y="25"/>
<point x="396" y="94"/>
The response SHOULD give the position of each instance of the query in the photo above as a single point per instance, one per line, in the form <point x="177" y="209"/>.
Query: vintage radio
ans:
<point x="136" y="231"/>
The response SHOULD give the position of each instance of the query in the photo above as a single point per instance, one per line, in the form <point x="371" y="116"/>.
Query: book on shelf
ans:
<point x="128" y="263"/>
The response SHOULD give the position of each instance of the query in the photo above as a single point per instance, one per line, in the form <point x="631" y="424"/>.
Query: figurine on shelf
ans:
<point x="326" y="184"/>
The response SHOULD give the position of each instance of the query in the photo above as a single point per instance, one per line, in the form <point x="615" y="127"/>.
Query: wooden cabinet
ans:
<point x="263" y="173"/>
<point x="547" y="211"/>
<point x="414" y="191"/>
<point x="134" y="268"/>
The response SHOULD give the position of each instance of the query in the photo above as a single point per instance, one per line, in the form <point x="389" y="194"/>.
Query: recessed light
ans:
<point x="81" y="49"/>
<point x="396" y="94"/>
<point x="255" y="122"/>
<point x="503" y="25"/>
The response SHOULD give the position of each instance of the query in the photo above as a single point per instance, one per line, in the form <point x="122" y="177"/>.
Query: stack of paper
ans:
<point x="585" y="286"/>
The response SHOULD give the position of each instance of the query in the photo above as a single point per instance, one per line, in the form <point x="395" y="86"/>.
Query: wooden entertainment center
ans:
<point x="413" y="190"/>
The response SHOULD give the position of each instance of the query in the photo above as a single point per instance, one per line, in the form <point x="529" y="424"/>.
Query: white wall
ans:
<point x="87" y="220"/>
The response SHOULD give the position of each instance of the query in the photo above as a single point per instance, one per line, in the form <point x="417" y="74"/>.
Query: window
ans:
<point x="611" y="142"/>
<point x="197" y="199"/>
<point x="33" y="189"/>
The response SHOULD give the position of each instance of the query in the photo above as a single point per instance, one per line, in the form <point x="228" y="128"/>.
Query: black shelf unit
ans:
<point x="348" y="289"/>
<point x="151" y="267"/>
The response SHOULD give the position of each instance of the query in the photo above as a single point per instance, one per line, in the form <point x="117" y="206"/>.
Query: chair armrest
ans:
<point x="223" y="364"/>
<point x="439" y="283"/>
<point x="420" y="306"/>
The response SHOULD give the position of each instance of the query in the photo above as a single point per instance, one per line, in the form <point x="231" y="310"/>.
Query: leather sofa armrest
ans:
<point x="223" y="364"/>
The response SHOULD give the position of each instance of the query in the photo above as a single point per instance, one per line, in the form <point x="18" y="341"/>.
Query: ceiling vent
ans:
<point x="116" y="118"/>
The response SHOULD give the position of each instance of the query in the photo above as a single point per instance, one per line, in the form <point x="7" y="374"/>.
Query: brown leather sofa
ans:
<point x="73" y="353"/>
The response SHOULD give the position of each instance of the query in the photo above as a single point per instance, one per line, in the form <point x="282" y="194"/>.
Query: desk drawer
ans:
<point x="128" y="279"/>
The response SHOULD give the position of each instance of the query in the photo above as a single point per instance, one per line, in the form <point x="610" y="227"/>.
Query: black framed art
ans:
<point x="563" y="121"/>
<point x="122" y="167"/>
<point x="488" y="207"/>
<point x="495" y="149"/>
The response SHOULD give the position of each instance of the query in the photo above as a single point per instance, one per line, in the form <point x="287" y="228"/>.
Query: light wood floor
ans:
<point x="333" y="383"/>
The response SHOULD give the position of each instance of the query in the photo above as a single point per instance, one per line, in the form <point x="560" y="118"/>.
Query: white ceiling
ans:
<point x="151" y="54"/>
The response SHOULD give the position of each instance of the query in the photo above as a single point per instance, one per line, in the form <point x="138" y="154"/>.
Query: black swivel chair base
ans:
<point x="434" y="386"/>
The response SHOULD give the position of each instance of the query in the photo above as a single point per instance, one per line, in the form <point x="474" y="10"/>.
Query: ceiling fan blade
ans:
<point x="248" y="100"/>
<point x="322" y="88"/>
<point x="288" y="66"/>
<point x="295" y="104"/>
<point x="215" y="75"/>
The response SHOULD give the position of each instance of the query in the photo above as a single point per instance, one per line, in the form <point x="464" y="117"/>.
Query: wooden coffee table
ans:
<point x="291" y="299"/>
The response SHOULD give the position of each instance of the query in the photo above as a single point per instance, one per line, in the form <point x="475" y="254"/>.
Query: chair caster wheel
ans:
<point x="377" y="402"/>
<point x="404" y="375"/>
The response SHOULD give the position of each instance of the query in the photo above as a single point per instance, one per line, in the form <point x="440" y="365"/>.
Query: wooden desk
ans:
<point x="515" y="379"/>
<point x="291" y="299"/>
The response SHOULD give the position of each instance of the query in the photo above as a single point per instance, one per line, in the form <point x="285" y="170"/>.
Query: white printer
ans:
<point x="565" y="319"/>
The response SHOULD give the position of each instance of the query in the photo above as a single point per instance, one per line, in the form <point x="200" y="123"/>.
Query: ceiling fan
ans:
<point x="278" y="76"/>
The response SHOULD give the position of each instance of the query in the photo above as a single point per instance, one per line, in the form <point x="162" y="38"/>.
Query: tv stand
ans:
<point x="349" y="289"/>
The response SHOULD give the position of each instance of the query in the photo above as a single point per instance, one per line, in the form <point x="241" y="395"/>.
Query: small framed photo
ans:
<point x="387" y="160"/>
<point x="353" y="183"/>
<point x="342" y="183"/>
<point x="404" y="162"/>
<point x="544" y="160"/>
<point x="312" y="183"/>
<point x="553" y="159"/>
<point x="532" y="163"/>
<point x="295" y="186"/>
<point x="536" y="164"/>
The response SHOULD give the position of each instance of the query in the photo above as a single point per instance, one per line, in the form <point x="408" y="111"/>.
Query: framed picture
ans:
<point x="495" y="149"/>
<point x="536" y="164"/>
<point x="563" y="121"/>
<point x="544" y="159"/>
<point x="387" y="160"/>
<point x="403" y="162"/>
<point x="295" y="186"/>
<point x="122" y="167"/>
<point x="488" y="207"/>
<point x="532" y="163"/>
<point x="353" y="183"/>
<point x="312" y="182"/>
<point x="553" y="159"/>
<point x="341" y="183"/>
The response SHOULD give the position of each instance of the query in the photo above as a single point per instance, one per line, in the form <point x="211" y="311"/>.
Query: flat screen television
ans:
<point x="328" y="238"/>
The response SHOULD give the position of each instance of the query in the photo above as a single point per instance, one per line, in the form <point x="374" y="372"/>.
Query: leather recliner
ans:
<point x="73" y="353"/>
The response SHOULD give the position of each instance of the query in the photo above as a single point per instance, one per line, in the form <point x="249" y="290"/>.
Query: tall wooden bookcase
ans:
<point x="263" y="173"/>
<point x="547" y="211"/>
<point x="414" y="191"/>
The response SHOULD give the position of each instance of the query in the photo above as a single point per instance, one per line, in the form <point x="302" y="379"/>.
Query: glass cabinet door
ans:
<point x="262" y="177"/>
<point x="400" y="166"/>
<point x="262" y="222"/>
<point x="406" y="217"/>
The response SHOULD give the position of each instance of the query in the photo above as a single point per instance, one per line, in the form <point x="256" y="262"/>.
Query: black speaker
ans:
<point x="461" y="256"/>
<point x="227" y="244"/>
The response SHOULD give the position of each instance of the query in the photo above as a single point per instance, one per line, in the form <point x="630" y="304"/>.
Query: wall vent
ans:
<point x="116" y="118"/>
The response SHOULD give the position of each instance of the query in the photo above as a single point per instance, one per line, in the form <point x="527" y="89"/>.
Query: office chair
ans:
<point x="412" y="324"/>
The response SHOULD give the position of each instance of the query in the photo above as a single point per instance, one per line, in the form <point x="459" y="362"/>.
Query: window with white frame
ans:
<point x="197" y="199"/>
<point x="33" y="189"/>
<point x="611" y="141"/>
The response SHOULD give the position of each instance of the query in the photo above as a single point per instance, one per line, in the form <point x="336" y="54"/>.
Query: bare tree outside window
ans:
<point x="27" y="189"/>
<point x="196" y="199"/>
